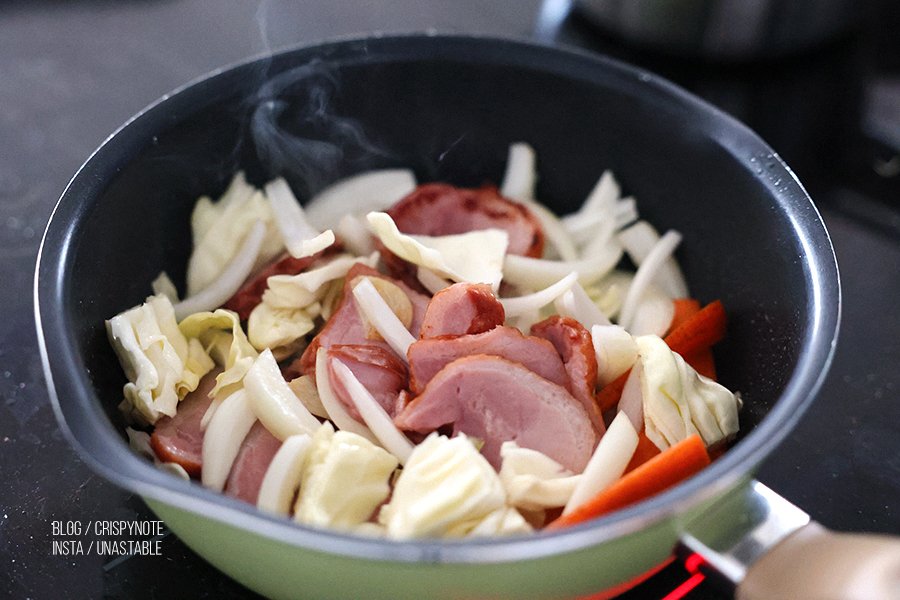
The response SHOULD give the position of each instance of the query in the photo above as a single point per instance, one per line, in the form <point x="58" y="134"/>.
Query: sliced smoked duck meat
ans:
<point x="462" y="308"/>
<point x="496" y="400"/>
<point x="441" y="209"/>
<point x="379" y="370"/>
<point x="573" y="342"/>
<point x="346" y="326"/>
<point x="179" y="439"/>
<point x="251" y="463"/>
<point x="427" y="357"/>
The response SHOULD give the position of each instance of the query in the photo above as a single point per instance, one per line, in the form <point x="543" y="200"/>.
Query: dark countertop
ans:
<point x="72" y="72"/>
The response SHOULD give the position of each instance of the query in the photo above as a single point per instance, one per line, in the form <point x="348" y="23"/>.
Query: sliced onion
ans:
<point x="274" y="402"/>
<point x="299" y="236"/>
<point x="520" y="176"/>
<point x="359" y="194"/>
<point x="282" y="478"/>
<point x="657" y="256"/>
<point x="223" y="438"/>
<point x="608" y="462"/>
<point x="229" y="281"/>
<point x="531" y="302"/>
<point x="639" y="239"/>
<point x="576" y="304"/>
<point x="337" y="414"/>
<point x="374" y="415"/>
<point x="631" y="403"/>
<point x="382" y="317"/>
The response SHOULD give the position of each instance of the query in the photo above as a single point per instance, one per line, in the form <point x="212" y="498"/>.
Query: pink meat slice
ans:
<point x="573" y="342"/>
<point x="379" y="370"/>
<point x="442" y="209"/>
<point x="496" y="400"/>
<point x="251" y="463"/>
<point x="179" y="439"/>
<point x="462" y="308"/>
<point x="428" y="356"/>
<point x="345" y="326"/>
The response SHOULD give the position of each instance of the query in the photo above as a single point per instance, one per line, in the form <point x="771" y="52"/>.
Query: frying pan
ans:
<point x="448" y="107"/>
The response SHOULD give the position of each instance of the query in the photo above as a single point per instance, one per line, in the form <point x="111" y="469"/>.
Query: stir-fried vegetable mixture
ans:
<point x="419" y="360"/>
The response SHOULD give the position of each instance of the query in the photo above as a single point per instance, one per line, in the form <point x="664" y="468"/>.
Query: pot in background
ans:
<point x="725" y="29"/>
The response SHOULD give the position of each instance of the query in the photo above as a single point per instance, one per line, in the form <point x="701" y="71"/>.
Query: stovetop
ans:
<point x="73" y="71"/>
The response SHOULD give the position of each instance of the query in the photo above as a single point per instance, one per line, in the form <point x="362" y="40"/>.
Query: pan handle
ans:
<point x="819" y="564"/>
<point x="766" y="548"/>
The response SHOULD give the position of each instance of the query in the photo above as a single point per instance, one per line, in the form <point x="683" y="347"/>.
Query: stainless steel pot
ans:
<point x="448" y="107"/>
<point x="726" y="28"/>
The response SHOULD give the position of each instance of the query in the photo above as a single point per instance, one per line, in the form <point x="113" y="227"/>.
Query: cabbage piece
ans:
<point x="291" y="303"/>
<point x="475" y="256"/>
<point x="445" y="490"/>
<point x="229" y="280"/>
<point x="503" y="521"/>
<point x="615" y="349"/>
<point x="220" y="228"/>
<point x="678" y="401"/>
<point x="161" y="364"/>
<point x="221" y="334"/>
<point x="345" y="479"/>
<point x="533" y="481"/>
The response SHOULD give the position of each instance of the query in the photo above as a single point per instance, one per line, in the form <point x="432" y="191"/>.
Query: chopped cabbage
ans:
<point x="534" y="481"/>
<point x="678" y="401"/>
<point x="219" y="229"/>
<point x="345" y="479"/>
<point x="162" y="365"/>
<point x="475" y="257"/>
<point x="221" y="335"/>
<point x="445" y="489"/>
<point x="291" y="303"/>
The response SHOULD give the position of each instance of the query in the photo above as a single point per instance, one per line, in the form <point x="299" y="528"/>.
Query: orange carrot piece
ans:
<point x="685" y="308"/>
<point x="701" y="360"/>
<point x="661" y="472"/>
<point x="608" y="397"/>
<point x="701" y="330"/>
<point x="645" y="451"/>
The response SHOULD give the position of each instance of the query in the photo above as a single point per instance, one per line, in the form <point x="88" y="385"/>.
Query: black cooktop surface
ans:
<point x="73" y="71"/>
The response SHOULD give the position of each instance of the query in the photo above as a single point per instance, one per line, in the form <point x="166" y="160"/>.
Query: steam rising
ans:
<point x="297" y="134"/>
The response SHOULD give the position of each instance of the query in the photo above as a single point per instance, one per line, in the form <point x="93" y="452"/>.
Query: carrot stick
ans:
<point x="644" y="452"/>
<point x="661" y="472"/>
<point x="701" y="330"/>
<point x="608" y="397"/>
<point x="685" y="308"/>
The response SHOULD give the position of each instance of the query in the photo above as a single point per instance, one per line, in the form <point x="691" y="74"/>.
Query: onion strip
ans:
<point x="657" y="256"/>
<point x="336" y="411"/>
<point x="223" y="438"/>
<point x="374" y="415"/>
<point x="608" y="462"/>
<point x="383" y="318"/>
<point x="229" y="281"/>
<point x="299" y="236"/>
<point x="274" y="402"/>
<point x="283" y="476"/>
<point x="522" y="304"/>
